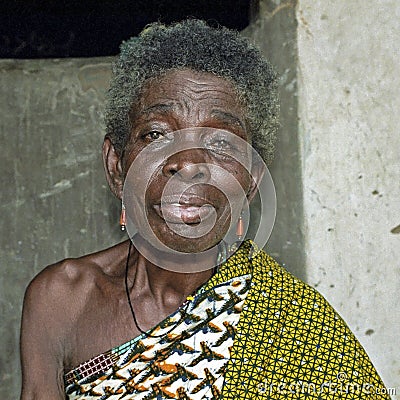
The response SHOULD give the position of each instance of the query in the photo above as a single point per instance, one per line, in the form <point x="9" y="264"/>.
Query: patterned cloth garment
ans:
<point x="253" y="331"/>
<point x="165" y="364"/>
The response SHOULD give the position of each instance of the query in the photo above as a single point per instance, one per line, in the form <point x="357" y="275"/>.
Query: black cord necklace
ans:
<point x="183" y="314"/>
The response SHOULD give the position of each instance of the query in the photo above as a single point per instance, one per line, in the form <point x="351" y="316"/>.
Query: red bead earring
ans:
<point x="240" y="227"/>
<point x="122" y="218"/>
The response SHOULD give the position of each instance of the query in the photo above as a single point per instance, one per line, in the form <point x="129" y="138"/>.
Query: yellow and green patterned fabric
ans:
<point x="253" y="331"/>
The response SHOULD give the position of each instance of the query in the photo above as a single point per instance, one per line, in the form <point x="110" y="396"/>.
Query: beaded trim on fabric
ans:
<point x="94" y="366"/>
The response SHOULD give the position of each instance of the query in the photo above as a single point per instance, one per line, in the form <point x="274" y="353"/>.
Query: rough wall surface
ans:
<point x="54" y="199"/>
<point x="338" y="160"/>
<point x="348" y="91"/>
<point x="274" y="32"/>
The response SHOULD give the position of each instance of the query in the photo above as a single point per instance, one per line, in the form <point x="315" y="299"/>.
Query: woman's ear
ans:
<point x="113" y="168"/>
<point x="257" y="172"/>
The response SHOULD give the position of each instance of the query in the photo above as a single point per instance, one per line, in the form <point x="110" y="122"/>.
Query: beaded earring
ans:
<point x="122" y="217"/>
<point x="240" y="227"/>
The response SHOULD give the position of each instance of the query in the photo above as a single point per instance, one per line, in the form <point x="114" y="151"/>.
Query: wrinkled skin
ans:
<point x="182" y="103"/>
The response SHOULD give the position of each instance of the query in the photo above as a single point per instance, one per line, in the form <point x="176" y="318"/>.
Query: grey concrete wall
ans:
<point x="348" y="99"/>
<point x="338" y="167"/>
<point x="274" y="32"/>
<point x="54" y="200"/>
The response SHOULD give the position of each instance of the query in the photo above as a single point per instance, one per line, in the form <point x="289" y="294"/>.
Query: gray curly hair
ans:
<point x="195" y="45"/>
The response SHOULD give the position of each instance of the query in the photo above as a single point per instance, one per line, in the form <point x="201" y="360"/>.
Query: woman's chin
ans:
<point x="171" y="241"/>
<point x="186" y="245"/>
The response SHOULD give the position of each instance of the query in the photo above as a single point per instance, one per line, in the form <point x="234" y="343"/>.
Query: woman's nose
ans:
<point x="188" y="166"/>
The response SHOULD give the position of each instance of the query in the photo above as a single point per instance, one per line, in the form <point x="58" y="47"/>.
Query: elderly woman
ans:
<point x="174" y="312"/>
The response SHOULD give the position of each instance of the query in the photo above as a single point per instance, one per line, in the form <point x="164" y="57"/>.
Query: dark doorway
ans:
<point x="90" y="28"/>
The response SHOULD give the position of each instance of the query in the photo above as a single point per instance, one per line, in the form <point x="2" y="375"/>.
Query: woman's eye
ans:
<point x="221" y="144"/>
<point x="153" y="135"/>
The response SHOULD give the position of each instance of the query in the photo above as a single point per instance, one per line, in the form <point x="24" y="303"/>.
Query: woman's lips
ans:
<point x="184" y="213"/>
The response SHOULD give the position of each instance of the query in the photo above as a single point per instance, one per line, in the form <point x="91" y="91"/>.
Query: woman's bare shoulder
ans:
<point x="53" y="305"/>
<point x="67" y="282"/>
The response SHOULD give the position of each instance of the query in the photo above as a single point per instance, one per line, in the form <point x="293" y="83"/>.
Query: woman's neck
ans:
<point x="169" y="280"/>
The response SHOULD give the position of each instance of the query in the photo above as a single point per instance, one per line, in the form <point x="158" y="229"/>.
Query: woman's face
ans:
<point x="198" y="181"/>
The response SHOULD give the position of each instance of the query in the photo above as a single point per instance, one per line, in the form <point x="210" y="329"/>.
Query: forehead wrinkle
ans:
<point x="191" y="103"/>
<point x="160" y="108"/>
<point x="203" y="93"/>
<point x="185" y="97"/>
<point x="227" y="117"/>
<point x="211" y="80"/>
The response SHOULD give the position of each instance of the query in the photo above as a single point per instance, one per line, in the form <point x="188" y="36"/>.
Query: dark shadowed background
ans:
<point x="90" y="28"/>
